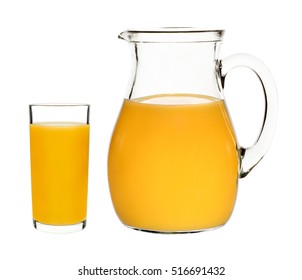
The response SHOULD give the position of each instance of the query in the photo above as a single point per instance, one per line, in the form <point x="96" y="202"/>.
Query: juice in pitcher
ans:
<point x="173" y="163"/>
<point x="59" y="172"/>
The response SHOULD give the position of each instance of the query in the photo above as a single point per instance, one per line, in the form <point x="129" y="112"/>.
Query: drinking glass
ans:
<point x="59" y="151"/>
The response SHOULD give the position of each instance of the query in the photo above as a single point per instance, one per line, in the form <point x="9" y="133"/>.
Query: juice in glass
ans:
<point x="173" y="163"/>
<point x="59" y="172"/>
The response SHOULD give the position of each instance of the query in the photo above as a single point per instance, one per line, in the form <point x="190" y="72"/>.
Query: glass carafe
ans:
<point x="174" y="161"/>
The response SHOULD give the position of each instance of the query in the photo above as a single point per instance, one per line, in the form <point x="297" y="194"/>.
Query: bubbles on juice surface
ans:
<point x="176" y="99"/>
<point x="56" y="124"/>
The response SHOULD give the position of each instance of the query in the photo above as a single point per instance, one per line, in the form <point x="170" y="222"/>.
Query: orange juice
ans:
<point x="59" y="169"/>
<point x="173" y="163"/>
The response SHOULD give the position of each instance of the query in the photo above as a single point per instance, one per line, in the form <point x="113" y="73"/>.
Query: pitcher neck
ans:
<point x="173" y="62"/>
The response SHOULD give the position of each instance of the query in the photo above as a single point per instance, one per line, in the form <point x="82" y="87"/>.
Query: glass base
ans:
<point x="174" y="232"/>
<point x="60" y="229"/>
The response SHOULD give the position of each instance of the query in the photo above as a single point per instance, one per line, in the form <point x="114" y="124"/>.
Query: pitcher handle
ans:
<point x="250" y="156"/>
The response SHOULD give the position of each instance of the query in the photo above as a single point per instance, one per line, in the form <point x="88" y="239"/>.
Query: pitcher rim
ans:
<point x="172" y="35"/>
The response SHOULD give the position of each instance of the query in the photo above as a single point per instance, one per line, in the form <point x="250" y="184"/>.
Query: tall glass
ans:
<point x="59" y="150"/>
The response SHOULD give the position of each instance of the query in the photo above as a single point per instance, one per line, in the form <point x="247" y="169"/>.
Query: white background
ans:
<point x="68" y="51"/>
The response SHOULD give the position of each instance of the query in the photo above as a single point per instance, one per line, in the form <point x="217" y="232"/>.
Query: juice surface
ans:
<point x="59" y="169"/>
<point x="173" y="163"/>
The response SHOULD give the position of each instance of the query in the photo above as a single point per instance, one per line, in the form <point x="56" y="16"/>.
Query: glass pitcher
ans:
<point x="174" y="161"/>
